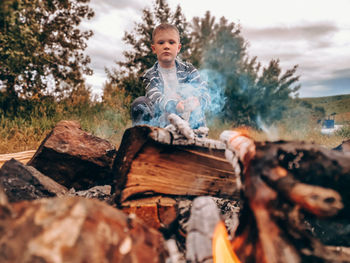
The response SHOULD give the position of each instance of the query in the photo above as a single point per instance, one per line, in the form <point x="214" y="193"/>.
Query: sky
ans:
<point x="313" y="34"/>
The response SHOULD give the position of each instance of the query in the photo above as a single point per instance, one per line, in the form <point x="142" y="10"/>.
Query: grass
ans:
<point x="338" y="105"/>
<point x="20" y="135"/>
<point x="282" y="132"/>
<point x="110" y="121"/>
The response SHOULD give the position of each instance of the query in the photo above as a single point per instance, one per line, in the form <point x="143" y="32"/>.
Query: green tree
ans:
<point x="202" y="34"/>
<point x="40" y="42"/>
<point x="140" y="57"/>
<point x="249" y="94"/>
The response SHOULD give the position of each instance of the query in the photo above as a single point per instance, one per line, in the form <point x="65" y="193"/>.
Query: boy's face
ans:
<point x="166" y="46"/>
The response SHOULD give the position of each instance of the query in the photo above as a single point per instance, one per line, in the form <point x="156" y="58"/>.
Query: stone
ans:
<point x="343" y="147"/>
<point x="100" y="192"/>
<point x="75" y="229"/>
<point x="21" y="182"/>
<point x="74" y="158"/>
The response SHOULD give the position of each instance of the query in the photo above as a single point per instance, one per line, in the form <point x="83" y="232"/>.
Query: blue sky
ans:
<point x="314" y="34"/>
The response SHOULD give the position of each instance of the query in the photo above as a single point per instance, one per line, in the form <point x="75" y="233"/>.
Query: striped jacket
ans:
<point x="186" y="74"/>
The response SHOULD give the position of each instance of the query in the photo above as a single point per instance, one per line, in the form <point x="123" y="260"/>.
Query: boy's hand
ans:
<point x="187" y="105"/>
<point x="180" y="107"/>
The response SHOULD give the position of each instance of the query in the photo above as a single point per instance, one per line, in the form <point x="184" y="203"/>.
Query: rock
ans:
<point x="75" y="229"/>
<point x="47" y="182"/>
<point x="100" y="192"/>
<point x="201" y="225"/>
<point x="74" y="158"/>
<point x="229" y="212"/>
<point x="343" y="147"/>
<point x="21" y="182"/>
<point x="5" y="207"/>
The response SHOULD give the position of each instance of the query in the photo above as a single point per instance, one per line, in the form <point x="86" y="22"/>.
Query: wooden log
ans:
<point x="319" y="201"/>
<point x="22" y="157"/>
<point x="145" y="166"/>
<point x="158" y="212"/>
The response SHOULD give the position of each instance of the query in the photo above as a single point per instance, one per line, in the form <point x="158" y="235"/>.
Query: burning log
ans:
<point x="287" y="188"/>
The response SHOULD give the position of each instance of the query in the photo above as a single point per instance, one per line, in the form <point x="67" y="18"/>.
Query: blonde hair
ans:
<point x="162" y="27"/>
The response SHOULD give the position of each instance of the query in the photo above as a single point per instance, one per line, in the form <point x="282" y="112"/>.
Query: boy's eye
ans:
<point x="161" y="42"/>
<point x="172" y="42"/>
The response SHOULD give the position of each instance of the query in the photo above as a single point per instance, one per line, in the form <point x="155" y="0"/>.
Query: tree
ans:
<point x="202" y="34"/>
<point x="40" y="42"/>
<point x="247" y="94"/>
<point x="140" y="57"/>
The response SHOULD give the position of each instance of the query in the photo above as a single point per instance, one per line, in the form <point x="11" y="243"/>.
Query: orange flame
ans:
<point x="222" y="249"/>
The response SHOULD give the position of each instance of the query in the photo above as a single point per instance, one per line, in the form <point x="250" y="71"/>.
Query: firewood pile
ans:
<point x="173" y="195"/>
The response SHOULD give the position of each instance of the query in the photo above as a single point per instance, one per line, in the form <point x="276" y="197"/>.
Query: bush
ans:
<point x="24" y="126"/>
<point x="344" y="132"/>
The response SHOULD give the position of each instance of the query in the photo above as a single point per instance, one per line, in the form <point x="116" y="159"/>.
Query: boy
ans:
<point x="172" y="86"/>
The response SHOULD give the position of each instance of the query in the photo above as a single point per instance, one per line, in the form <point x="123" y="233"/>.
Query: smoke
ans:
<point x="271" y="131"/>
<point x="144" y="113"/>
<point x="216" y="84"/>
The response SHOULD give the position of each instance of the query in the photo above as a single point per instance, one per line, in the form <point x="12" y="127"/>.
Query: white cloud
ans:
<point x="315" y="34"/>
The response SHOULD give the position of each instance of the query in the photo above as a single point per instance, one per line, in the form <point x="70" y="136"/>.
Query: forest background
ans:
<point x="42" y="67"/>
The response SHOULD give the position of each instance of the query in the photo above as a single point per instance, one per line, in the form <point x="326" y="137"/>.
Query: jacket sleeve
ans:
<point x="152" y="84"/>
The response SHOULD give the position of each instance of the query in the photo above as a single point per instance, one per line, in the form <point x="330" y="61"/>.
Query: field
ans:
<point x="109" y="122"/>
<point x="303" y="126"/>
<point x="338" y="105"/>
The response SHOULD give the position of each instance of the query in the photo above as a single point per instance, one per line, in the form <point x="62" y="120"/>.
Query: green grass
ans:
<point x="338" y="105"/>
<point x="283" y="131"/>
<point x="109" y="121"/>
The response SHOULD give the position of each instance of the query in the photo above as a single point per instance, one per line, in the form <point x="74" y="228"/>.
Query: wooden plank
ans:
<point x="22" y="157"/>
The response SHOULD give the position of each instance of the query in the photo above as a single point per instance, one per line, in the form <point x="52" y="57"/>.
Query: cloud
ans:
<point x="338" y="83"/>
<point x="315" y="47"/>
<point x="101" y="7"/>
<point x="311" y="32"/>
<point x="291" y="44"/>
<point x="104" y="51"/>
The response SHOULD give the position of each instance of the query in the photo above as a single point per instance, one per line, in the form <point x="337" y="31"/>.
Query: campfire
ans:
<point x="173" y="195"/>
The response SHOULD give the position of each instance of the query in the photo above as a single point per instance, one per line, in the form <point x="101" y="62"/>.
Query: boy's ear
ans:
<point x="153" y="48"/>
<point x="179" y="48"/>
